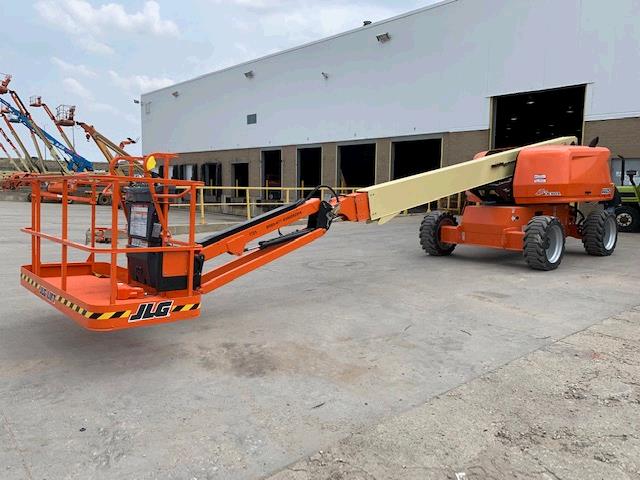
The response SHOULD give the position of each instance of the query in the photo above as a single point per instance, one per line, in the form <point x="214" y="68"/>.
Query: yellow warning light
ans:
<point x="150" y="163"/>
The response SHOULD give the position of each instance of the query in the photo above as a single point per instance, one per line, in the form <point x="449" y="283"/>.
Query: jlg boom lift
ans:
<point x="525" y="200"/>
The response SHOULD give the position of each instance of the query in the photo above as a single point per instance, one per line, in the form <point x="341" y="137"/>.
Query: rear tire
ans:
<point x="430" y="233"/>
<point x="543" y="243"/>
<point x="600" y="233"/>
<point x="627" y="218"/>
<point x="104" y="200"/>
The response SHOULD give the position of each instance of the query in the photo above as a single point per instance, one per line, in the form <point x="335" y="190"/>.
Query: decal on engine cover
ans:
<point x="543" y="192"/>
<point x="540" y="178"/>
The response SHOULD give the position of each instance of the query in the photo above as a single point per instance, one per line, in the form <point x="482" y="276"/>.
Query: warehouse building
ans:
<point x="425" y="89"/>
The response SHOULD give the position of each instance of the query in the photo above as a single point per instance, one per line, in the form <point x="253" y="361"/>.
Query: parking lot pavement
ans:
<point x="341" y="335"/>
<point x="568" y="411"/>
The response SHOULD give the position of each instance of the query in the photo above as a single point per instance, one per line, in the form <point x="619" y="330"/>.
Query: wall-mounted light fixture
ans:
<point x="249" y="74"/>
<point x="325" y="75"/>
<point x="366" y="22"/>
<point x="383" y="37"/>
<point x="175" y="94"/>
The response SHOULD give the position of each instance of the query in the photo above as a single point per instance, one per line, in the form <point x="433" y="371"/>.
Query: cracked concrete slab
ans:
<point x="567" y="411"/>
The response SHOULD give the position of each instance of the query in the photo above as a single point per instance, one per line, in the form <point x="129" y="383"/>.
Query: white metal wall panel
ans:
<point x="436" y="74"/>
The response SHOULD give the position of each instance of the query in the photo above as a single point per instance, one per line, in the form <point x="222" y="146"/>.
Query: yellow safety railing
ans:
<point x="250" y="197"/>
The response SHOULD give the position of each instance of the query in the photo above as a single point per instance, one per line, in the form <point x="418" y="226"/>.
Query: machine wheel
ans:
<point x="543" y="243"/>
<point x="430" y="233"/>
<point x="600" y="233"/>
<point x="627" y="218"/>
<point x="104" y="200"/>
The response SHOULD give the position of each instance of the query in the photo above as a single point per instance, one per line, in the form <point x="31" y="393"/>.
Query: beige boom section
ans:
<point x="388" y="199"/>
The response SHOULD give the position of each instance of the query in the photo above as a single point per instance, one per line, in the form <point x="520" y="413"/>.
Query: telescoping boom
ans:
<point x="164" y="277"/>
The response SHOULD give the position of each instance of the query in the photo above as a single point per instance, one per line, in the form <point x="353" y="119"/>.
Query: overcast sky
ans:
<point x="100" y="55"/>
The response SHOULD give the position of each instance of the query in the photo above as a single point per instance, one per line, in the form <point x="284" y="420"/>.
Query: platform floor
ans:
<point x="346" y="333"/>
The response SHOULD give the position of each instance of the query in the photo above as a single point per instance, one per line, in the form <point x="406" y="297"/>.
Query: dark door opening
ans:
<point x="185" y="172"/>
<point x="357" y="165"/>
<point x="240" y="178"/>
<point x="415" y="156"/>
<point x="211" y="175"/>
<point x="309" y="168"/>
<point x="272" y="173"/>
<point x="531" y="117"/>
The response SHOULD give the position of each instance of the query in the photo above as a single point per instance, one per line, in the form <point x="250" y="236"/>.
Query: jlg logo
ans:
<point x="147" y="311"/>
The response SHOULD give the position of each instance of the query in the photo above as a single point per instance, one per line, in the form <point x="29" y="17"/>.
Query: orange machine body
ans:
<point x="547" y="181"/>
<point x="562" y="174"/>
<point x="503" y="226"/>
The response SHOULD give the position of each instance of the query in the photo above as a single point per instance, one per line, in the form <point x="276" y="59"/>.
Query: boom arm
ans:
<point x="377" y="203"/>
<point x="388" y="199"/>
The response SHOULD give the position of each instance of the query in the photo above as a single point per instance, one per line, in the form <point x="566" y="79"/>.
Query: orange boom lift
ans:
<point x="524" y="201"/>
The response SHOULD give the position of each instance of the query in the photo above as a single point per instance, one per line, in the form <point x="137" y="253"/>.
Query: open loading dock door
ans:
<point x="525" y="118"/>
<point x="211" y="175"/>
<point x="357" y="165"/>
<point x="415" y="156"/>
<point x="411" y="157"/>
<point x="309" y="168"/>
<point x="272" y="173"/>
<point x="240" y="179"/>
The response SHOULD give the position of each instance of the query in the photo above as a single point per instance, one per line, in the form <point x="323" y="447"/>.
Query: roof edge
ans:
<point x="441" y="3"/>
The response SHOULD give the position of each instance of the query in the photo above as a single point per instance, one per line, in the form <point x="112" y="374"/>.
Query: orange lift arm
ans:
<point x="320" y="214"/>
<point x="36" y="102"/>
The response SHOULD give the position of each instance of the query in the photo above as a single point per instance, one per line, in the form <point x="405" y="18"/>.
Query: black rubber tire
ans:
<point x="104" y="200"/>
<point x="596" y="231"/>
<point x="630" y="217"/>
<point x="430" y="233"/>
<point x="537" y="237"/>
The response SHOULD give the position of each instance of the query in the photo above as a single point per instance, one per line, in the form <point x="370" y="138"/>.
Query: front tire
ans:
<point x="430" y="233"/>
<point x="543" y="243"/>
<point x="600" y="233"/>
<point x="627" y="218"/>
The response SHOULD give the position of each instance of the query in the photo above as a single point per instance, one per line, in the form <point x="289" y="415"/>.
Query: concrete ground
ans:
<point x="340" y="347"/>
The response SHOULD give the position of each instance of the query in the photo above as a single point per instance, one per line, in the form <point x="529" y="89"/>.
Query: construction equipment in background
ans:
<point x="25" y="163"/>
<point x="108" y="148"/>
<point x="12" y="160"/>
<point x="110" y="151"/>
<point x="36" y="102"/>
<point x="525" y="200"/>
<point x="4" y="83"/>
<point x="628" y="212"/>
<point x="127" y="141"/>
<point x="66" y="157"/>
<point x="30" y="163"/>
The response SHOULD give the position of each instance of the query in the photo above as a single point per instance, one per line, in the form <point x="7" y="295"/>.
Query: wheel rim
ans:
<point x="554" y="237"/>
<point x="610" y="233"/>
<point x="623" y="219"/>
